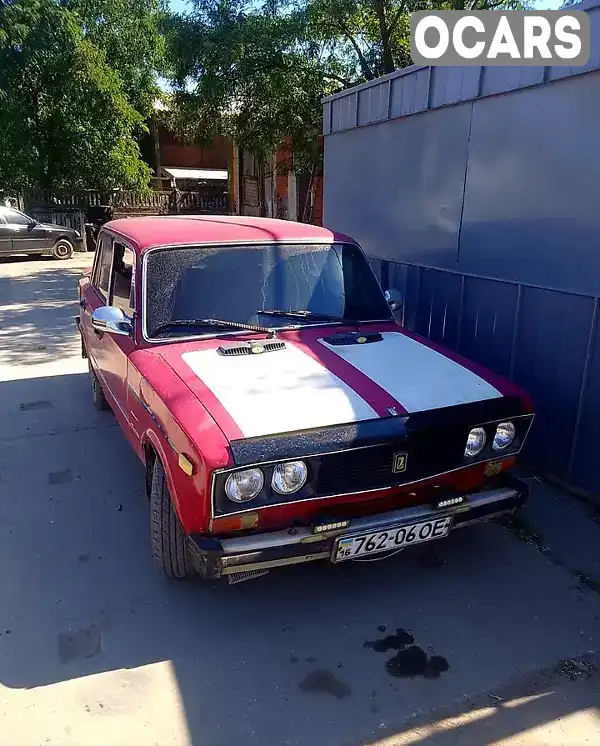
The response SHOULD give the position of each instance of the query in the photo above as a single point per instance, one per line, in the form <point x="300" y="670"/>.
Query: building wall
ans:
<point x="273" y="189"/>
<point x="175" y="153"/>
<point x="475" y="190"/>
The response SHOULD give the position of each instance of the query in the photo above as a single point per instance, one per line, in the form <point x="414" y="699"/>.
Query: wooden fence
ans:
<point x="209" y="200"/>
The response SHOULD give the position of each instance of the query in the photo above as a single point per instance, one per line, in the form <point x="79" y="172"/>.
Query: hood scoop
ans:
<point x="353" y="338"/>
<point x="250" y="348"/>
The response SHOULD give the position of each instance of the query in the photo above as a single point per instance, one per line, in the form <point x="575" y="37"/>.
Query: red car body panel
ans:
<point x="166" y="410"/>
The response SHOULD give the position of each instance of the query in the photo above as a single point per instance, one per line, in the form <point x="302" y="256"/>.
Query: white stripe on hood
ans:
<point x="279" y="391"/>
<point x="416" y="376"/>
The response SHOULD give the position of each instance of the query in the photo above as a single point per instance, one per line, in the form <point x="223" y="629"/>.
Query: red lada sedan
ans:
<point x="282" y="414"/>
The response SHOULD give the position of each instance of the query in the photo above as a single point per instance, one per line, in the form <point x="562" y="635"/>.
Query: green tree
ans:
<point x="249" y="73"/>
<point x="257" y="73"/>
<point x="370" y="38"/>
<point x="127" y="31"/>
<point x="65" y="117"/>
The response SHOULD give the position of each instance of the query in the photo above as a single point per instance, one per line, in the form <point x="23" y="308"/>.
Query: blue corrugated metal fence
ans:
<point x="546" y="340"/>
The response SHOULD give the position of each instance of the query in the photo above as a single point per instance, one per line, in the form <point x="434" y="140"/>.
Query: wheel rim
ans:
<point x="61" y="250"/>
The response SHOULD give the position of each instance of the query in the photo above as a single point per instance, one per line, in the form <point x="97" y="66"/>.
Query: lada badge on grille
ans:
<point x="399" y="462"/>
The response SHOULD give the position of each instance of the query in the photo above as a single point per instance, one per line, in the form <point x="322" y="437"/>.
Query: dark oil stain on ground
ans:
<point x="414" y="661"/>
<point x="32" y="405"/>
<point x="323" y="681"/>
<point x="60" y="477"/>
<point x="410" y="660"/>
<point x="83" y="643"/>
<point x="400" y="640"/>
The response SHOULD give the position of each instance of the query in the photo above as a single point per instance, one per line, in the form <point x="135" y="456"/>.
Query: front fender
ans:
<point x="166" y="456"/>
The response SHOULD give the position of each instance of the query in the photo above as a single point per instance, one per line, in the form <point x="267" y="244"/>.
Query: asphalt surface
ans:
<point x="488" y="637"/>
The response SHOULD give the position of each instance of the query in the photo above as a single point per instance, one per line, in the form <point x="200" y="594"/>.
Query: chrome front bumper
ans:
<point x="214" y="558"/>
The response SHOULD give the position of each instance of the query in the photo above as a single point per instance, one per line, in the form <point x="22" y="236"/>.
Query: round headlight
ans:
<point x="475" y="442"/>
<point x="242" y="486"/>
<point x="289" y="477"/>
<point x="505" y="435"/>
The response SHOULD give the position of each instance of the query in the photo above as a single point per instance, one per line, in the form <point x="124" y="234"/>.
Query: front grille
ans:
<point x="245" y="348"/>
<point x="427" y="454"/>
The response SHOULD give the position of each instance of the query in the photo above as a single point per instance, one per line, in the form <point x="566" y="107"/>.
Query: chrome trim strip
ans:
<point x="501" y="457"/>
<point x="395" y="518"/>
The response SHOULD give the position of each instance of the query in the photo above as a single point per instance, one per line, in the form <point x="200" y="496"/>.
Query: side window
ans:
<point x="122" y="295"/>
<point x="16" y="218"/>
<point x="101" y="276"/>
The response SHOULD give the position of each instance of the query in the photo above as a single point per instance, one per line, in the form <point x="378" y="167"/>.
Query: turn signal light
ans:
<point x="234" y="523"/>
<point x="446" y="503"/>
<point x="185" y="464"/>
<point x="321" y="528"/>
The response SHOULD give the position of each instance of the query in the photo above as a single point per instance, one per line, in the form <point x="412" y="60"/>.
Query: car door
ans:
<point x="95" y="295"/>
<point x="5" y="242"/>
<point x="117" y="348"/>
<point x="26" y="235"/>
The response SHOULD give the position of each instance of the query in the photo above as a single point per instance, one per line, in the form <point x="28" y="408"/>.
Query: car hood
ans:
<point x="314" y="382"/>
<point x="54" y="228"/>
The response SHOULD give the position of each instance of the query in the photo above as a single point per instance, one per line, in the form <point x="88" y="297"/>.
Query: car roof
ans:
<point x="147" y="232"/>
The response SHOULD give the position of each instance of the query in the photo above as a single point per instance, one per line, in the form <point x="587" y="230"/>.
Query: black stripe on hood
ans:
<point x="316" y="441"/>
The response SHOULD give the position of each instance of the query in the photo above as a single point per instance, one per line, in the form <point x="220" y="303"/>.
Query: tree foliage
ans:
<point x="372" y="37"/>
<point x="127" y="31"/>
<point x="245" y="72"/>
<point x="71" y="100"/>
<point x="257" y="73"/>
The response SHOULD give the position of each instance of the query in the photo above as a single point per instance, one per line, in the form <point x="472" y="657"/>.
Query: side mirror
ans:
<point x="32" y="225"/>
<point x="394" y="299"/>
<point x="111" y="320"/>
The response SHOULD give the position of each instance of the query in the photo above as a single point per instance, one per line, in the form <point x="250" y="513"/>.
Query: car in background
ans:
<point x="21" y="234"/>
<point x="282" y="413"/>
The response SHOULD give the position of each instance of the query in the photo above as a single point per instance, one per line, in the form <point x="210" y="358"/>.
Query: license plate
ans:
<point x="349" y="547"/>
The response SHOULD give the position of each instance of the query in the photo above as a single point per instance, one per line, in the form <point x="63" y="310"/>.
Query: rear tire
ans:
<point x="63" y="249"/>
<point x="100" y="401"/>
<point x="169" y="543"/>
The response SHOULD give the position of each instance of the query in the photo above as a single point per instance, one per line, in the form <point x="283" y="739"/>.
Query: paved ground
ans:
<point x="97" y="648"/>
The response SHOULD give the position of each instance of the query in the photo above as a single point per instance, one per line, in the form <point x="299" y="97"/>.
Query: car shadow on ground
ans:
<point x="310" y="655"/>
<point x="36" y="323"/>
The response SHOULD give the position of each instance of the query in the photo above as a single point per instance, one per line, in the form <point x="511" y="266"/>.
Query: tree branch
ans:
<point x="364" y="65"/>
<point x="397" y="15"/>
<point x="339" y="79"/>
<point x="384" y="33"/>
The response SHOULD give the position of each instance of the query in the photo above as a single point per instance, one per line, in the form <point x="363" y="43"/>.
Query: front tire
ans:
<point x="169" y="544"/>
<point x="63" y="249"/>
<point x="100" y="401"/>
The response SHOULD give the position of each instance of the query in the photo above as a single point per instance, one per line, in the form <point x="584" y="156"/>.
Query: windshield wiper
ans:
<point x="309" y="315"/>
<point x="214" y="322"/>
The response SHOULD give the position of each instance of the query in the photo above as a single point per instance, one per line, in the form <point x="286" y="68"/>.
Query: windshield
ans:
<point x="235" y="283"/>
